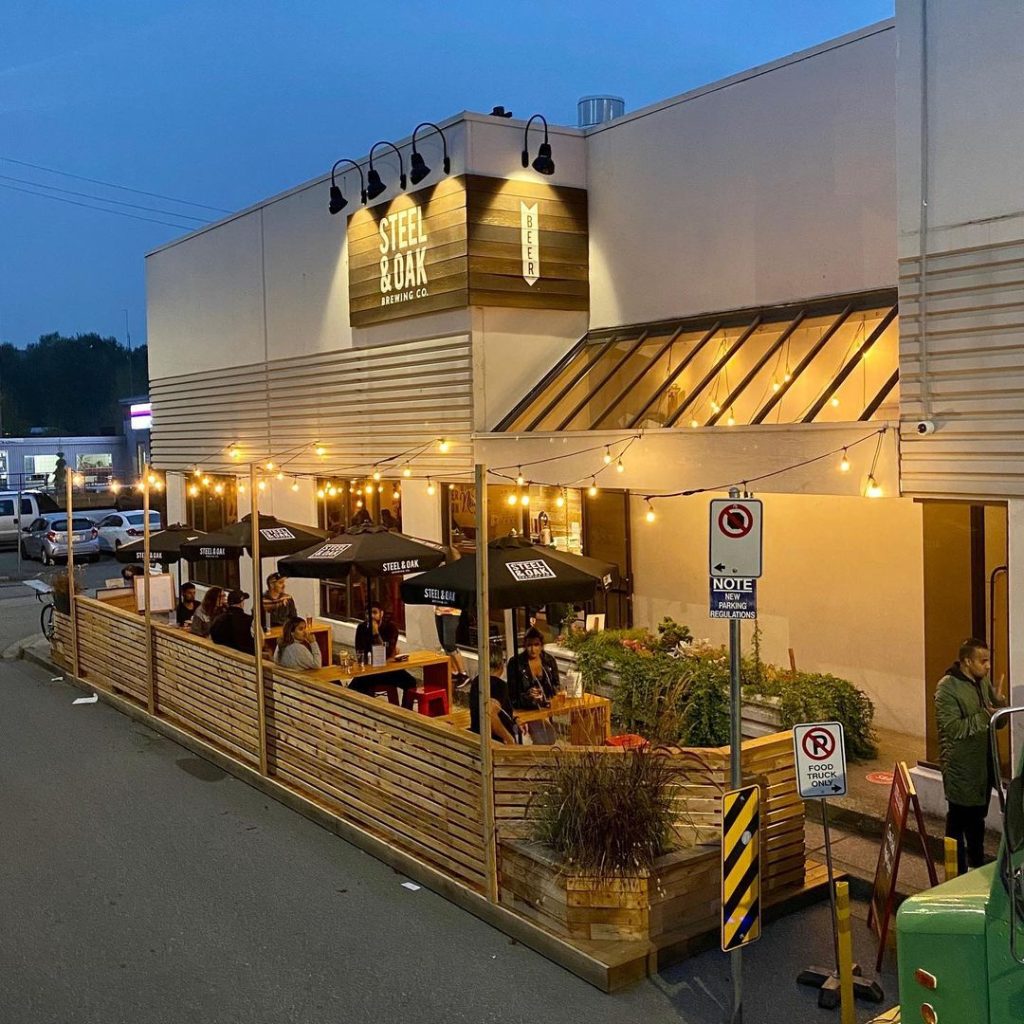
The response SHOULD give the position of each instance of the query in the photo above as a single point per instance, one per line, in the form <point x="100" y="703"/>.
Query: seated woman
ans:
<point x="502" y="717"/>
<point x="209" y="608"/>
<point x="297" y="648"/>
<point x="532" y="681"/>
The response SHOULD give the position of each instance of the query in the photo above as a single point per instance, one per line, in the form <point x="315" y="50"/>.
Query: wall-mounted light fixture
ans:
<point x="543" y="164"/>
<point x="338" y="201"/>
<point x="374" y="186"/>
<point x="418" y="168"/>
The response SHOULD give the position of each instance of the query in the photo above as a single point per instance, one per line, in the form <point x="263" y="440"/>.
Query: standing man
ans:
<point x="964" y="703"/>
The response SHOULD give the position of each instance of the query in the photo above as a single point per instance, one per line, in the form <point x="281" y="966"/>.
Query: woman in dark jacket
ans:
<point x="532" y="674"/>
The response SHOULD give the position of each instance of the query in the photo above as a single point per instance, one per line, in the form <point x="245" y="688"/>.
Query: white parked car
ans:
<point x="124" y="528"/>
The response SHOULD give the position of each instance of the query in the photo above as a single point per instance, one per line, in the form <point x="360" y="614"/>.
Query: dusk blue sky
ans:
<point x="224" y="103"/>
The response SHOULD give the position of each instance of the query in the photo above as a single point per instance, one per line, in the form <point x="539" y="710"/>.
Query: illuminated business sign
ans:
<point x="469" y="241"/>
<point x="141" y="416"/>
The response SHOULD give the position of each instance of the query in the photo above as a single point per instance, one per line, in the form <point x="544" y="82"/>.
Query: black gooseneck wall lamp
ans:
<point x="338" y="201"/>
<point x="543" y="164"/>
<point x="374" y="186"/>
<point x="418" y="168"/>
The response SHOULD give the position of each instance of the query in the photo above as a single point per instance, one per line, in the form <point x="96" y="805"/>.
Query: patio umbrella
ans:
<point x="373" y="550"/>
<point x="164" y="545"/>
<point x="607" y="573"/>
<point x="277" y="537"/>
<point x="521" y="574"/>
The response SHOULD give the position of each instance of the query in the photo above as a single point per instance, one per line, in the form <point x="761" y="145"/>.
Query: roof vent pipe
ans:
<point x="594" y="110"/>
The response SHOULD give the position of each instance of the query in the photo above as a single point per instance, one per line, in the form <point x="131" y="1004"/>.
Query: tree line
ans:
<point x="68" y="385"/>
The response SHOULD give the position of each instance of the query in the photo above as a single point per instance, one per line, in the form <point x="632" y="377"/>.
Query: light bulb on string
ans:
<point x="368" y="489"/>
<point x="219" y="489"/>
<point x="443" y="445"/>
<point x="731" y="421"/>
<point x="280" y="475"/>
<point x="787" y="376"/>
<point x="524" y="500"/>
<point x="332" y="491"/>
<point x="519" y="477"/>
<point x="262" y="485"/>
<point x="270" y="466"/>
<point x="193" y="491"/>
<point x="560" y="500"/>
<point x="512" y="499"/>
<point x="592" y="490"/>
<point x="320" y="450"/>
<point x="233" y="452"/>
<point x="607" y="456"/>
<point x="873" y="490"/>
<point x="295" y="484"/>
<point x="376" y="474"/>
<point x="206" y="481"/>
<point x="619" y="467"/>
<point x="834" y="403"/>
<point x="359" y="503"/>
<point x="320" y="492"/>
<point x="240" y="488"/>
<point x="395" y="495"/>
<point x="152" y="477"/>
<point x="776" y="386"/>
<point x="197" y="471"/>
<point x="844" y="463"/>
<point x="694" y="423"/>
<point x="431" y="489"/>
<point x="407" y="472"/>
<point x="380" y="488"/>
<point x="650" y="517"/>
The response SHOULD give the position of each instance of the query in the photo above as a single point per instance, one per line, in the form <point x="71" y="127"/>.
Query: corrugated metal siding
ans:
<point x="364" y="405"/>
<point x="975" y="374"/>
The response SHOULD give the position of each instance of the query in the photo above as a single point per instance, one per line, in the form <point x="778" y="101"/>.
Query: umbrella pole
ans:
<point x="483" y="637"/>
<point x="257" y="619"/>
<point x="69" y="512"/>
<point x="146" y="551"/>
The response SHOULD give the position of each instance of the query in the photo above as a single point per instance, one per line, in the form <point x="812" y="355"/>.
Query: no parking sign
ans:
<point x="820" y="759"/>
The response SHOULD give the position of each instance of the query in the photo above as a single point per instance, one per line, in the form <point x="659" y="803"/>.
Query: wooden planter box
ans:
<point x="680" y="896"/>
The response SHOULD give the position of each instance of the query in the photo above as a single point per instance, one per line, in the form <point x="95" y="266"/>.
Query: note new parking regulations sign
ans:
<point x="820" y="759"/>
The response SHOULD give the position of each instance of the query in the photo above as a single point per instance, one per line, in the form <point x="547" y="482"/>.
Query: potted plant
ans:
<point x="609" y="856"/>
<point x="62" y="592"/>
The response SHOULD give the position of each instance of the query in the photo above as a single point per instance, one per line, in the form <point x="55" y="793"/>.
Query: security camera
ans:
<point x="925" y="427"/>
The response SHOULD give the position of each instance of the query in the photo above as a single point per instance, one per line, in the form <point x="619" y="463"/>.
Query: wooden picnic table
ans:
<point x="435" y="668"/>
<point x="590" y="717"/>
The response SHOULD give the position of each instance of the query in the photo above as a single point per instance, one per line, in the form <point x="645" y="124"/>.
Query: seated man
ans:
<point x="278" y="605"/>
<point x="234" y="627"/>
<point x="187" y="603"/>
<point x="379" y="632"/>
<point x="503" y="721"/>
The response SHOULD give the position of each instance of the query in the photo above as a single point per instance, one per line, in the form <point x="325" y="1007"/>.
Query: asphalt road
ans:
<point x="142" y="884"/>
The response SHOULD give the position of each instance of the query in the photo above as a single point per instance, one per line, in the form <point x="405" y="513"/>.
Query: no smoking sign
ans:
<point x="820" y="759"/>
<point x="735" y="538"/>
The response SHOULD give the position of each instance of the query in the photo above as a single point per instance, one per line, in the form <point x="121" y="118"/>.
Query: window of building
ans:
<point x="4" y="469"/>
<point x="96" y="468"/>
<point x="39" y="469"/>
<point x="208" y="510"/>
<point x="344" y="503"/>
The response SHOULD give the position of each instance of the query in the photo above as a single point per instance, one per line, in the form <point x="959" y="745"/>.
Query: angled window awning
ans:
<point x="833" y="360"/>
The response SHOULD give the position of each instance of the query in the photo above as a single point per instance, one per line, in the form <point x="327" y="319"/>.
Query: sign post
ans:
<point x="820" y="756"/>
<point x="734" y="565"/>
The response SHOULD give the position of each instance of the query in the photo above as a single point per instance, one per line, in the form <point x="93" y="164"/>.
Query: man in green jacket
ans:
<point x="964" y="703"/>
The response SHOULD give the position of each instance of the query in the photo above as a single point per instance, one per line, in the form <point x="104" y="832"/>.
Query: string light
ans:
<point x="219" y="489"/>
<point x="431" y="489"/>
<point x="512" y="498"/>
<point x="152" y="478"/>
<point x="206" y="481"/>
<point x="240" y="488"/>
<point x="835" y="403"/>
<point x="619" y="467"/>
<point x="873" y="490"/>
<point x="560" y="500"/>
<point x="159" y="485"/>
<point x="592" y="490"/>
<point x="380" y="488"/>
<point x="776" y="386"/>
<point x="280" y="475"/>
<point x="376" y="474"/>
<point x="519" y="477"/>
<point x="650" y="517"/>
<point x="295" y="484"/>
<point x="262" y="485"/>
<point x="395" y="495"/>
<point x="193" y="491"/>
<point x="524" y="500"/>
<point x="607" y="456"/>
<point x="451" y="487"/>
<point x="320" y="450"/>
<point x="443" y="445"/>
<point x="731" y="421"/>
<point x="715" y="407"/>
<point x="320" y="492"/>
<point x="270" y="466"/>
<point x="407" y="472"/>
<point x="694" y="423"/>
<point x="787" y="376"/>
<point x="197" y="471"/>
<point x="233" y="452"/>
<point x="369" y="489"/>
<point x="359" y="503"/>
<point x="332" y="491"/>
<point x="844" y="464"/>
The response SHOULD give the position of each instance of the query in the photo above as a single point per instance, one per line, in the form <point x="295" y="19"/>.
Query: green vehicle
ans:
<point x="960" y="945"/>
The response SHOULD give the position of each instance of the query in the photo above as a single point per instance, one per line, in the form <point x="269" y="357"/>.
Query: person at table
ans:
<point x="502" y="716"/>
<point x="187" y="603"/>
<point x="278" y="604"/>
<point x="532" y="681"/>
<point x="209" y="608"/>
<point x="234" y="627"/>
<point x="380" y="631"/>
<point x="297" y="648"/>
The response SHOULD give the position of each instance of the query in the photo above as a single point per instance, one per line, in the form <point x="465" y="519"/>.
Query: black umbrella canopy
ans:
<point x="520" y="573"/>
<point x="607" y="573"/>
<point x="373" y="550"/>
<point x="164" y="545"/>
<point x="277" y="537"/>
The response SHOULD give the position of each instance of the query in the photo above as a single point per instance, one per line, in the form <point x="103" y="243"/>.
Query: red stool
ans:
<point x="431" y="702"/>
<point x="627" y="741"/>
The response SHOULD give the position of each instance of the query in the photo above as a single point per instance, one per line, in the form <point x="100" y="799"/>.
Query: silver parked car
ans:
<point x="46" y="538"/>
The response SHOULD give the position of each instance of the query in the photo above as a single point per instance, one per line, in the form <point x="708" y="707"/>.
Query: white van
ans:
<point x="33" y="504"/>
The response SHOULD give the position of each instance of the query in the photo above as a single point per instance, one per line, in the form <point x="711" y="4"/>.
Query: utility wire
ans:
<point x="110" y="184"/>
<point x="101" y="209"/>
<point x="101" y="199"/>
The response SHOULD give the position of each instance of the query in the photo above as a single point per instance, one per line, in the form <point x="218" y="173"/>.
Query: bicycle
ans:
<point x="44" y="594"/>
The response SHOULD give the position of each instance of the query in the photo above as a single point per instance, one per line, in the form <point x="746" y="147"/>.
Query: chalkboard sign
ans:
<point x="902" y="797"/>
